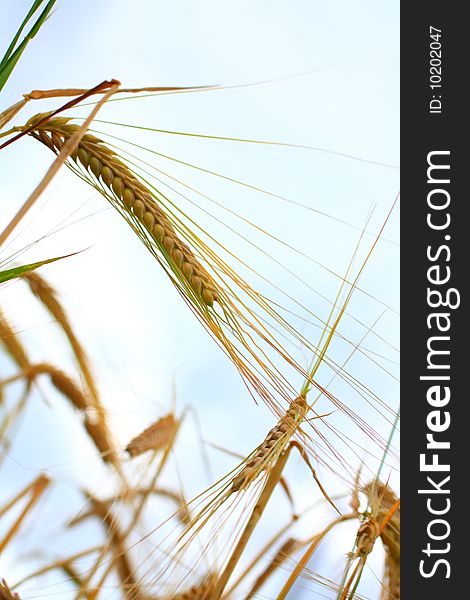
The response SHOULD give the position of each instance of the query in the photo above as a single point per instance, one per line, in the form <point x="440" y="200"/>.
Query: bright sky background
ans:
<point x="336" y="89"/>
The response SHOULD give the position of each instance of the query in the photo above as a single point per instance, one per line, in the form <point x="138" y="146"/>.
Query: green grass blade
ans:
<point x="22" y="270"/>
<point x="11" y="47"/>
<point x="12" y="57"/>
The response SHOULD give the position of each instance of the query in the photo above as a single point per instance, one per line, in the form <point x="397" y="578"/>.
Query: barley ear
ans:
<point x="132" y="197"/>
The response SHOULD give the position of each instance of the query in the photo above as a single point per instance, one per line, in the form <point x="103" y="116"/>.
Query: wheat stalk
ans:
<point x="98" y="429"/>
<point x="48" y="296"/>
<point x="117" y="545"/>
<point x="366" y="536"/>
<point x="383" y="500"/>
<point x="270" y="457"/>
<point x="382" y="519"/>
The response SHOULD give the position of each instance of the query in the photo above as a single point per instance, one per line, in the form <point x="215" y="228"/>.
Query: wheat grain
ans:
<point x="94" y="156"/>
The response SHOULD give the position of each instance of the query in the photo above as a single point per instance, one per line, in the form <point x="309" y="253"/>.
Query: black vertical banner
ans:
<point x="435" y="430"/>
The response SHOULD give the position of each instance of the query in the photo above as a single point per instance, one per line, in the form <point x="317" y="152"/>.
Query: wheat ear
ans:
<point x="133" y="196"/>
<point x="273" y="444"/>
<point x="6" y="593"/>
<point x="384" y="503"/>
<point x="155" y="437"/>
